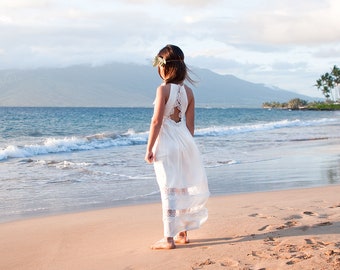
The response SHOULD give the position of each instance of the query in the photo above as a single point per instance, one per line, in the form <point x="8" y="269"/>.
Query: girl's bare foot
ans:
<point x="181" y="238"/>
<point x="165" y="243"/>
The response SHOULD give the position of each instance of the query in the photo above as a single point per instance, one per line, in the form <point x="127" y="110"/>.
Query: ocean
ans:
<point x="60" y="160"/>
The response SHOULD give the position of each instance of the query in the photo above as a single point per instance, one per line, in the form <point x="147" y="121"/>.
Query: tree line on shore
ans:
<point x="300" y="104"/>
<point x="328" y="83"/>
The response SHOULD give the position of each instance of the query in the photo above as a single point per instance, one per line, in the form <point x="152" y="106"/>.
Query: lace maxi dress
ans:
<point x="179" y="170"/>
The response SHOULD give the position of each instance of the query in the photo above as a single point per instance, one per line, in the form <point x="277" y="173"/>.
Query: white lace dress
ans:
<point x="179" y="170"/>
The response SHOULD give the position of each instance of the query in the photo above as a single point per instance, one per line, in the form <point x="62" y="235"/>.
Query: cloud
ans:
<point x="259" y="40"/>
<point x="273" y="23"/>
<point x="5" y="20"/>
<point x="24" y="4"/>
<point x="307" y="23"/>
<point x="199" y="4"/>
<point x="289" y="66"/>
<point x="332" y="52"/>
<point x="219" y="65"/>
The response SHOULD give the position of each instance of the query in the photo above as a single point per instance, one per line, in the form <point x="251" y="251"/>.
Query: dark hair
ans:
<point x="175" y="69"/>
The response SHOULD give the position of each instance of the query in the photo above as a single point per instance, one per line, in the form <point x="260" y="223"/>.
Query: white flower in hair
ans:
<point x="158" y="61"/>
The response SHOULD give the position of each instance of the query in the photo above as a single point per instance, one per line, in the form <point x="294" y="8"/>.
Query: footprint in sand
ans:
<point x="317" y="244"/>
<point x="292" y="248"/>
<point x="333" y="257"/>
<point x="260" y="216"/>
<point x="324" y="244"/>
<point x="333" y="252"/>
<point x="200" y="265"/>
<point x="299" y="257"/>
<point x="326" y="223"/>
<point x="335" y="206"/>
<point x="310" y="241"/>
<point x="229" y="263"/>
<point x="288" y="224"/>
<point x="266" y="227"/>
<point x="271" y="241"/>
<point x="309" y="213"/>
<point x="293" y="217"/>
<point x="260" y="254"/>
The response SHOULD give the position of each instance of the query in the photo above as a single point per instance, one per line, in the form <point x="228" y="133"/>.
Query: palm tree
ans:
<point x="330" y="82"/>
<point x="336" y="74"/>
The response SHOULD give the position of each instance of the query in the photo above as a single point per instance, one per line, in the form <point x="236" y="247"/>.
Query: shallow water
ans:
<point x="55" y="160"/>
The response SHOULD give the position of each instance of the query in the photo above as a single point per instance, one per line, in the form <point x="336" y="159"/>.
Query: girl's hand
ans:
<point x="149" y="157"/>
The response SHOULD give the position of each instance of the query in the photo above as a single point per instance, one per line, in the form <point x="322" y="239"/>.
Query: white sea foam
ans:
<point x="230" y="130"/>
<point x="69" y="144"/>
<point x="220" y="163"/>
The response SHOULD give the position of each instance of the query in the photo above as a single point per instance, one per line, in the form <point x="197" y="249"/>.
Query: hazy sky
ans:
<point x="286" y="43"/>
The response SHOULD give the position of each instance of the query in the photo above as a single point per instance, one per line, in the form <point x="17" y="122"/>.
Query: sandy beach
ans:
<point x="294" y="229"/>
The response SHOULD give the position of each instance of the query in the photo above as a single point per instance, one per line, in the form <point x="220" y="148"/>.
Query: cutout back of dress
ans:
<point x="177" y="103"/>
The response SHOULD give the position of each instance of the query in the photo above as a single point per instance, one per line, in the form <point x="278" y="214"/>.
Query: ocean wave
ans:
<point x="220" y="163"/>
<point x="106" y="140"/>
<point x="70" y="144"/>
<point x="239" y="129"/>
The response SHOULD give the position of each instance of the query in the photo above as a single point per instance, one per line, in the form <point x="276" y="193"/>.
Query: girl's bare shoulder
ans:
<point x="164" y="87"/>
<point x="189" y="91"/>
<point x="163" y="91"/>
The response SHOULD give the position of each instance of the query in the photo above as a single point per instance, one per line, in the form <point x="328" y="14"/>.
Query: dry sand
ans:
<point x="296" y="229"/>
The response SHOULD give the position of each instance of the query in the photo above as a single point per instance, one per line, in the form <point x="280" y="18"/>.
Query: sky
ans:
<point x="284" y="43"/>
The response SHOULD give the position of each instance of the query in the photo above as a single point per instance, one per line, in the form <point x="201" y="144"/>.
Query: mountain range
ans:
<point x="125" y="85"/>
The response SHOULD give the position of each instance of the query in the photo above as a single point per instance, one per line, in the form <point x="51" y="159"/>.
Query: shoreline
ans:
<point x="127" y="204"/>
<point x="285" y="229"/>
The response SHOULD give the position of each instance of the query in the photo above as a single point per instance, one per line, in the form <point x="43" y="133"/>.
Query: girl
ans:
<point x="171" y="148"/>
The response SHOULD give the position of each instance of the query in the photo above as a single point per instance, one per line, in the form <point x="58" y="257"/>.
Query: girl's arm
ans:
<point x="156" y="122"/>
<point x="190" y="113"/>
